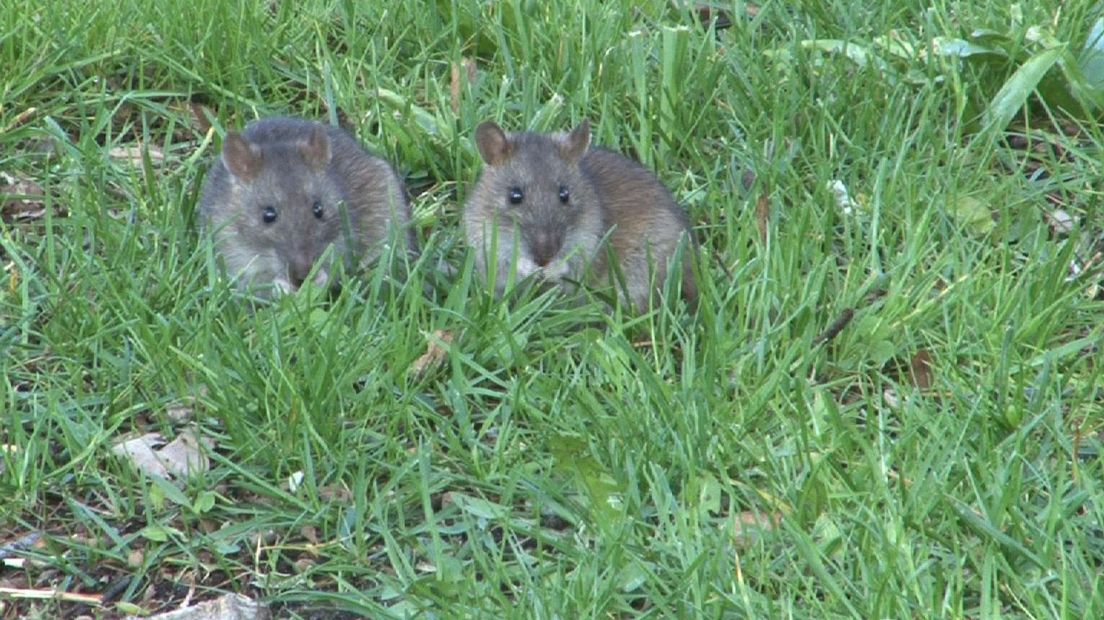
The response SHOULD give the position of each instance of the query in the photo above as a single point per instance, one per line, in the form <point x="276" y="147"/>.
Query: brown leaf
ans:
<point x="334" y="493"/>
<point x="921" y="369"/>
<point x="748" y="524"/>
<point x="21" y="119"/>
<point x="762" y="216"/>
<point x="133" y="154"/>
<point x="20" y="199"/>
<point x="180" y="457"/>
<point x="707" y="12"/>
<point x="310" y="533"/>
<point x="199" y="115"/>
<point x="135" y="558"/>
<point x="467" y="69"/>
<point x="434" y="355"/>
<point x="454" y="88"/>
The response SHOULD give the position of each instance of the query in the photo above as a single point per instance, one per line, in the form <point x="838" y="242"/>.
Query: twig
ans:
<point x="836" y="327"/>
<point x="70" y="597"/>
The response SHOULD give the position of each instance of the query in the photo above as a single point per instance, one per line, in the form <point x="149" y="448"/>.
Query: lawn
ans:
<point x="888" y="404"/>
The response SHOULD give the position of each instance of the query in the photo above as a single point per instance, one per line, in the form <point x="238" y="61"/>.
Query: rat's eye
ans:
<point x="516" y="196"/>
<point x="269" y="214"/>
<point x="564" y="194"/>
<point x="316" y="208"/>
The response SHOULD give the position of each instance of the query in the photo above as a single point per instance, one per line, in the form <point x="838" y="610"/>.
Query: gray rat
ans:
<point x="290" y="196"/>
<point x="549" y="204"/>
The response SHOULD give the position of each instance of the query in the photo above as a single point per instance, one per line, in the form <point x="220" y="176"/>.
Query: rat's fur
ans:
<point x="614" y="206"/>
<point x="289" y="165"/>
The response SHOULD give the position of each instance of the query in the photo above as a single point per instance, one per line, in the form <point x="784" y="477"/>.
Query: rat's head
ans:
<point x="287" y="208"/>
<point x="534" y="191"/>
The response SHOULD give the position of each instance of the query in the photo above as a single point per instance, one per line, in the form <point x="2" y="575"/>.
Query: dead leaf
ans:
<point x="332" y="493"/>
<point x="747" y="179"/>
<point x="434" y="355"/>
<point x="179" y="413"/>
<point x="13" y="288"/>
<point x="184" y="454"/>
<point x="891" y="399"/>
<point x="27" y="541"/>
<point x="749" y="524"/>
<point x="135" y="558"/>
<point x="180" y="457"/>
<point x="227" y="607"/>
<point x="199" y="115"/>
<point x="707" y="13"/>
<point x="921" y="370"/>
<point x="6" y="449"/>
<point x="134" y="154"/>
<point x="466" y="68"/>
<point x="1060" y="222"/>
<point x="762" y="216"/>
<point x="21" y="119"/>
<point x="843" y="198"/>
<point x="21" y="199"/>
<point x="182" y="409"/>
<point x="295" y="480"/>
<point x="310" y="533"/>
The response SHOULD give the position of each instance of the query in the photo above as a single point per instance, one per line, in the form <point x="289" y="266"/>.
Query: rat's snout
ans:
<point x="299" y="268"/>
<point x="544" y="247"/>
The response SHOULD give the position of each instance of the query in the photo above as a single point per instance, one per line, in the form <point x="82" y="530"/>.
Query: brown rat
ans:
<point x="288" y="196"/>
<point x="549" y="204"/>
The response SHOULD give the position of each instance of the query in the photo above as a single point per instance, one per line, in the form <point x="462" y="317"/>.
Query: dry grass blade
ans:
<point x="57" y="595"/>
<point x="435" y="353"/>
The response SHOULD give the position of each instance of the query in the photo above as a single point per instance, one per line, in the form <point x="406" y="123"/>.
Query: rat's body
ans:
<point x="291" y="196"/>
<point x="550" y="205"/>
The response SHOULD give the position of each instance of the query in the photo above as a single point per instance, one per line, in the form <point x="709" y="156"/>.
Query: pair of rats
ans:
<point x="291" y="200"/>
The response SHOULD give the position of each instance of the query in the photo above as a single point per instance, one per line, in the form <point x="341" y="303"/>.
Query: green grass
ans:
<point x="560" y="461"/>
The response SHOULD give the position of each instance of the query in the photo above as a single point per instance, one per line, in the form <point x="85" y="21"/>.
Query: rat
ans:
<point x="552" y="205"/>
<point x="289" y="197"/>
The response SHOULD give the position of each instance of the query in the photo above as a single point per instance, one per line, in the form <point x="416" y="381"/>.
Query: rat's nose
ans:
<point x="545" y="246"/>
<point x="298" y="270"/>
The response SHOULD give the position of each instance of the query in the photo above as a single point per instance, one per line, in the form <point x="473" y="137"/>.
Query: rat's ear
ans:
<point x="576" y="143"/>
<point x="316" y="150"/>
<point x="241" y="158"/>
<point x="494" y="146"/>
